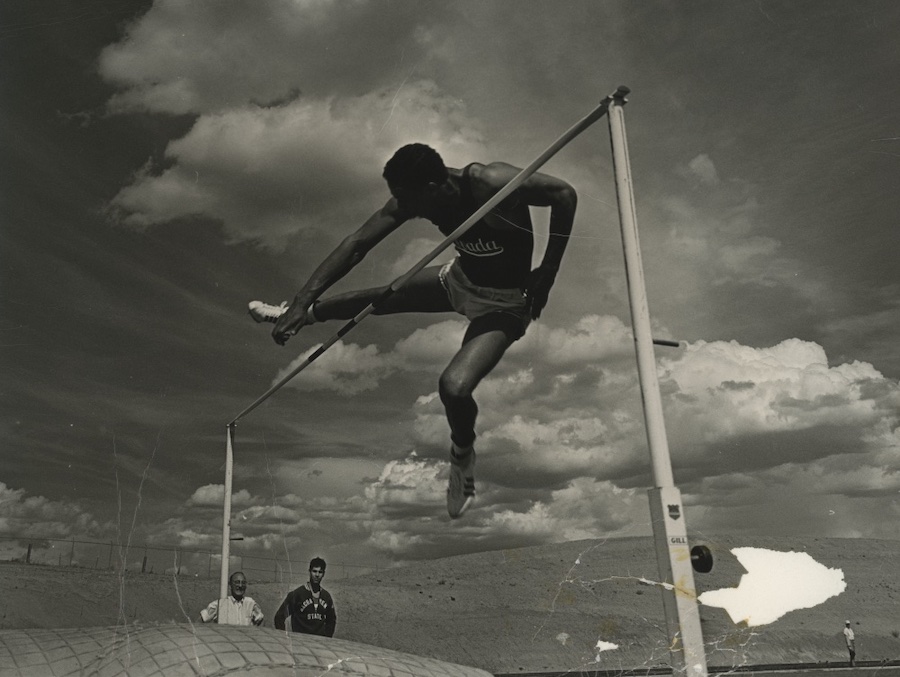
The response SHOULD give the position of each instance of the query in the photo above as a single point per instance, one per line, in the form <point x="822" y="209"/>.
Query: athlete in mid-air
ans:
<point x="490" y="281"/>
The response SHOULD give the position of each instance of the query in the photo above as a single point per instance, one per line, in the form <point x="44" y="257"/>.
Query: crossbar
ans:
<point x="479" y="214"/>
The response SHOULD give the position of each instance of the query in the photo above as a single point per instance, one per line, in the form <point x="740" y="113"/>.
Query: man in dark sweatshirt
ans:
<point x="309" y="608"/>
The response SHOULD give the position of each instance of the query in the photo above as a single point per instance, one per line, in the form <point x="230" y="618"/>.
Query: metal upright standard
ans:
<point x="226" y="512"/>
<point x="666" y="511"/>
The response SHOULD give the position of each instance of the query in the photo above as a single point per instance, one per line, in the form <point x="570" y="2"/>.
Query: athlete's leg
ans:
<point x="485" y="342"/>
<point x="424" y="293"/>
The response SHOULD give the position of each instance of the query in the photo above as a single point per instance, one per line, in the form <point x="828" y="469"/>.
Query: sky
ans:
<point x="164" y="163"/>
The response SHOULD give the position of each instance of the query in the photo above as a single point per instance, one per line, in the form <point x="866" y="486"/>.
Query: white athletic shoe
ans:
<point x="266" y="312"/>
<point x="461" y="489"/>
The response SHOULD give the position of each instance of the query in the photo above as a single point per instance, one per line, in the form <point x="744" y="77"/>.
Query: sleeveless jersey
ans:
<point x="489" y="256"/>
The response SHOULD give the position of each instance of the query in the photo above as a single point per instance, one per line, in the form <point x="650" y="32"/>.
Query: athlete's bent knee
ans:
<point x="454" y="386"/>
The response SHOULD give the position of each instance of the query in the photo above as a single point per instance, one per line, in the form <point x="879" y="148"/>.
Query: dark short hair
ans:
<point x="415" y="166"/>
<point x="231" y="578"/>
<point x="317" y="562"/>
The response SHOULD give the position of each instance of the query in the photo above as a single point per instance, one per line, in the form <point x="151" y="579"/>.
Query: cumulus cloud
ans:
<point x="408" y="502"/>
<point x="183" y="58"/>
<point x="431" y="347"/>
<point x="40" y="516"/>
<point x="408" y="488"/>
<point x="271" y="174"/>
<point x="706" y="243"/>
<point x="263" y="523"/>
<point x="562" y="404"/>
<point x="564" y="414"/>
<point x="703" y="169"/>
<point x="858" y="325"/>
<point x="585" y="508"/>
<point x="743" y="422"/>
<point x="589" y="340"/>
<point x="281" y="150"/>
<point x="863" y="476"/>
<point x="213" y="495"/>
<point x="267" y="526"/>
<point x="345" y="368"/>
<point x="565" y="457"/>
<point x="727" y="390"/>
<point x="761" y="431"/>
<point x="721" y="239"/>
<point x="560" y="355"/>
<point x="350" y="369"/>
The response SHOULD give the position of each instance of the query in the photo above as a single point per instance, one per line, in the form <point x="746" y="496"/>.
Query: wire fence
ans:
<point x="169" y="559"/>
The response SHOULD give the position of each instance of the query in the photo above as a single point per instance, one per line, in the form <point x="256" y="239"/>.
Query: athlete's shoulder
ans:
<point x="486" y="179"/>
<point x="492" y="173"/>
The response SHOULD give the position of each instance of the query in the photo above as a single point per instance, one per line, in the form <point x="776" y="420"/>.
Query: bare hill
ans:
<point x="530" y="609"/>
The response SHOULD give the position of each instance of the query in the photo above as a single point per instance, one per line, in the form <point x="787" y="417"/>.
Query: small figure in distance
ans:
<point x="309" y="608"/>
<point x="850" y="639"/>
<point x="237" y="608"/>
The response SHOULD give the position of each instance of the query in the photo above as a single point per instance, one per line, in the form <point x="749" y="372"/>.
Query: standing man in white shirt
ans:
<point x="237" y="608"/>
<point x="851" y="642"/>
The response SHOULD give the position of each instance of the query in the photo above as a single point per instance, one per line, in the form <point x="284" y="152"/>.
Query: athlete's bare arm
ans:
<point x="336" y="265"/>
<point x="539" y="190"/>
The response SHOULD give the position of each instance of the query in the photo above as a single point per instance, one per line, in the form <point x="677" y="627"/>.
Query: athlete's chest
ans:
<point x="502" y="218"/>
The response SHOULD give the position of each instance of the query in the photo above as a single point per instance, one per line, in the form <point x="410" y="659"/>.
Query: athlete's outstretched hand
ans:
<point x="537" y="290"/>
<point x="294" y="319"/>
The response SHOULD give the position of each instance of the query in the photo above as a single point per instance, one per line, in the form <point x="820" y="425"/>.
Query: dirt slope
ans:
<point x="530" y="609"/>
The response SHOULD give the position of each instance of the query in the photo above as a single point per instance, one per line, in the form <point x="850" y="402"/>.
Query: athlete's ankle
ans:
<point x="459" y="451"/>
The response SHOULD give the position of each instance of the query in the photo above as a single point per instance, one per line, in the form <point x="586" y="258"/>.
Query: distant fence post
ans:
<point x="116" y="559"/>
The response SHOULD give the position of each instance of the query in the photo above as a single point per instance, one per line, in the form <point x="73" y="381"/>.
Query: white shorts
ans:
<point x="473" y="301"/>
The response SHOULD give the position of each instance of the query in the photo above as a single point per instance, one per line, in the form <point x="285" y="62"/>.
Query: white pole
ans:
<point x="637" y="296"/>
<point x="226" y="511"/>
<point x="669" y="529"/>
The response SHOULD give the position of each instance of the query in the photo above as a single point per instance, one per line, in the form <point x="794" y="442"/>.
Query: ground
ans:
<point x="530" y="609"/>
